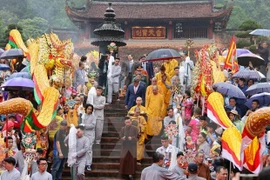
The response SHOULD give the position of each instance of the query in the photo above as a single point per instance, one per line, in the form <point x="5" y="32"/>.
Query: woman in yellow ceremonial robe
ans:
<point x="154" y="106"/>
<point x="166" y="92"/>
<point x="140" y="123"/>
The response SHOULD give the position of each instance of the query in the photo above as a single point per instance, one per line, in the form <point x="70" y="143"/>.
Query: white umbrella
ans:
<point x="261" y="32"/>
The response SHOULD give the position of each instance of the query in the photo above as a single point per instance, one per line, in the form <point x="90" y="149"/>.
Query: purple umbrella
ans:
<point x="238" y="52"/>
<point x="263" y="98"/>
<point x="18" y="83"/>
<point x="228" y="89"/>
<point x="244" y="60"/>
<point x="258" y="88"/>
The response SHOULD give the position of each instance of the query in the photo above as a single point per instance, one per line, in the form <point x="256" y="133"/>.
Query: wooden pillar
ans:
<point x="86" y="30"/>
<point x="170" y="30"/>
<point x="127" y="31"/>
<point x="210" y="30"/>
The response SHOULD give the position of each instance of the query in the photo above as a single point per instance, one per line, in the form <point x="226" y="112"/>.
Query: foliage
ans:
<point x="242" y="43"/>
<point x="253" y="49"/>
<point x="237" y="17"/>
<point x="5" y="34"/>
<point x="243" y="34"/>
<point x="249" y="25"/>
<point x="258" y="10"/>
<point x="32" y="28"/>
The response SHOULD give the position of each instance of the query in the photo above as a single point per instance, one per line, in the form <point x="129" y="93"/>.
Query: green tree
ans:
<point x="8" y="17"/>
<point x="237" y="17"/>
<point x="33" y="28"/>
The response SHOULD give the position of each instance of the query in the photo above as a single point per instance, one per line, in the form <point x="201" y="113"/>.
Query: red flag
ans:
<point x="231" y="59"/>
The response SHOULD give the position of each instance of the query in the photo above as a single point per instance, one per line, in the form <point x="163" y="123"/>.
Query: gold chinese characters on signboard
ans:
<point x="148" y="32"/>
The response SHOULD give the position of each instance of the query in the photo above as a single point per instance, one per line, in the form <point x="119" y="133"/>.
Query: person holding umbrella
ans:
<point x="262" y="49"/>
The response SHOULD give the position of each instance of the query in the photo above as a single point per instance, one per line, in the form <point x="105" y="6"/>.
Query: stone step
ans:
<point x="117" y="139"/>
<point x="116" y="159"/>
<point x="110" y="134"/>
<point x="149" y="146"/>
<point x="114" y="166"/>
<point x="99" y="173"/>
<point x="117" y="152"/>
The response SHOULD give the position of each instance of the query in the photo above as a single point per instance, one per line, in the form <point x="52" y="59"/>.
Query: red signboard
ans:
<point x="148" y="32"/>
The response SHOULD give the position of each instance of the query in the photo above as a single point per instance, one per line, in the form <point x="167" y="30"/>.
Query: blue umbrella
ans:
<point x="228" y="89"/>
<point x="20" y="74"/>
<point x="4" y="67"/>
<point x="261" y="32"/>
<point x="263" y="98"/>
<point x="258" y="88"/>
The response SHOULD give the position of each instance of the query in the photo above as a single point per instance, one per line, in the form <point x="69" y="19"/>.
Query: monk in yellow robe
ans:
<point x="166" y="92"/>
<point x="140" y="123"/>
<point x="154" y="106"/>
<point x="72" y="116"/>
<point x="149" y="88"/>
<point x="162" y="72"/>
<point x="139" y="102"/>
<point x="169" y="66"/>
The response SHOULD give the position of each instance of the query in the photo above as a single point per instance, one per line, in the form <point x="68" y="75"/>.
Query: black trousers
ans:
<point x="129" y="79"/>
<point x="102" y="79"/>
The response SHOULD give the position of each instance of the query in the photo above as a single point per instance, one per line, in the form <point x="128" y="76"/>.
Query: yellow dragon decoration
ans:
<point x="48" y="57"/>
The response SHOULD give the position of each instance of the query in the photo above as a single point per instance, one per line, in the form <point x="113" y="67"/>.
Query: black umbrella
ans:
<point x="12" y="53"/>
<point x="244" y="60"/>
<point x="162" y="54"/>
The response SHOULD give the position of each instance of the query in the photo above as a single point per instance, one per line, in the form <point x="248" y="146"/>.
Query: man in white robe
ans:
<point x="99" y="104"/>
<point x="113" y="80"/>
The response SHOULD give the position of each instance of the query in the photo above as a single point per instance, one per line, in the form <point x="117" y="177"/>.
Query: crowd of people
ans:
<point x="159" y="102"/>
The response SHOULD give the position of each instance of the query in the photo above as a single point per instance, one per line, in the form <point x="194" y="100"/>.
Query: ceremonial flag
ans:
<point x="251" y="151"/>
<point x="231" y="146"/>
<point x="216" y="111"/>
<point x="231" y="59"/>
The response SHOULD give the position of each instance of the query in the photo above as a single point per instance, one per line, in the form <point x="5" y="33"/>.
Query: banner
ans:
<point x="149" y="32"/>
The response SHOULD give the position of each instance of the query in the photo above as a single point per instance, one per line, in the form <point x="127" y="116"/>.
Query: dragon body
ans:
<point x="50" y="67"/>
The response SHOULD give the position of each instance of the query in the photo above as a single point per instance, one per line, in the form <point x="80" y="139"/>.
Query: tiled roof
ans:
<point x="126" y="11"/>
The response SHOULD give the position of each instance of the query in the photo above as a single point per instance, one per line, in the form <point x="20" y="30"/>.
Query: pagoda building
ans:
<point x="155" y="21"/>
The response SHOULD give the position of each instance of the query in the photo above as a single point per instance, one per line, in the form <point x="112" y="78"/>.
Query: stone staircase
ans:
<point x="106" y="155"/>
